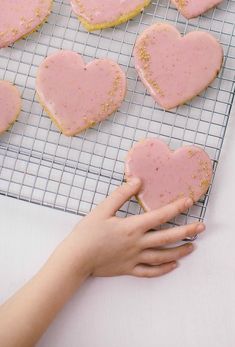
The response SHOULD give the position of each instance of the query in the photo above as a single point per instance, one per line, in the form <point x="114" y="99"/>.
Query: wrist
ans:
<point x="72" y="260"/>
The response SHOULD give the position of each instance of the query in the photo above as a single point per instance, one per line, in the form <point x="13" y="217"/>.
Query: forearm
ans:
<point x="25" y="317"/>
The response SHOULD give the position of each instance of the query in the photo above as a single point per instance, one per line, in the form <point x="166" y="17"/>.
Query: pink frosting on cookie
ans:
<point x="105" y="11"/>
<point x="10" y="104"/>
<point x="193" y="8"/>
<point x="166" y="175"/>
<point x="76" y="95"/>
<point x="20" y="17"/>
<point x="175" y="68"/>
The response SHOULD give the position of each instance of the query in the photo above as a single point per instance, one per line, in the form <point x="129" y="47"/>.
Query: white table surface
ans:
<point x="193" y="307"/>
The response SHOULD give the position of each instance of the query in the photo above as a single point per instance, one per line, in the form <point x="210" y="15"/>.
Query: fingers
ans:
<point x="155" y="218"/>
<point x="154" y="263"/>
<point x="153" y="271"/>
<point x="162" y="256"/>
<point x="122" y="194"/>
<point x="165" y="237"/>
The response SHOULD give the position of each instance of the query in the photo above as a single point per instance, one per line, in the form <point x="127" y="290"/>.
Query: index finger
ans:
<point x="150" y="220"/>
<point x="120" y="195"/>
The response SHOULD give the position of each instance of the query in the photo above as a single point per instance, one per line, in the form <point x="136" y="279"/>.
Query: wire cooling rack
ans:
<point x="40" y="165"/>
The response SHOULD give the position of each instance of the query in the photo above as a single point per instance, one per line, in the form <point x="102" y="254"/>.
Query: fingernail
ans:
<point x="174" y="265"/>
<point x="188" y="203"/>
<point x="190" y="247"/>
<point x="200" y="228"/>
<point x="134" y="181"/>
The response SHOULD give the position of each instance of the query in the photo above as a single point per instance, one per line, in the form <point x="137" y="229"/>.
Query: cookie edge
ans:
<point x="184" y="14"/>
<point x="18" y="111"/>
<point x="123" y="19"/>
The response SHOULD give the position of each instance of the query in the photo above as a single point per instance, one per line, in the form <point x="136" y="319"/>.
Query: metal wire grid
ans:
<point x="40" y="165"/>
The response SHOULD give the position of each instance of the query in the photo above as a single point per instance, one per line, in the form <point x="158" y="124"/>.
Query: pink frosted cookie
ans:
<point x="173" y="68"/>
<point x="20" y="17"/>
<point x="193" y="8"/>
<point x="166" y="175"/>
<point x="10" y="104"/>
<point x="75" y="95"/>
<point x="97" y="14"/>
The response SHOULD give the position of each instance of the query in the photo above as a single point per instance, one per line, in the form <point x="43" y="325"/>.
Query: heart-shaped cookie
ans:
<point x="75" y="95"/>
<point x="173" y="68"/>
<point x="10" y="104"/>
<point x="194" y="8"/>
<point x="166" y="175"/>
<point x="19" y="18"/>
<point x="97" y="14"/>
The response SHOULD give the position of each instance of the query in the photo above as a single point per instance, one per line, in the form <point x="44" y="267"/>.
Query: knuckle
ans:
<point x="167" y="239"/>
<point x="150" y="257"/>
<point x="131" y="233"/>
<point x="153" y="258"/>
<point x="139" y="228"/>
<point x="163" y="218"/>
<point x="140" y="245"/>
<point x="180" y="208"/>
<point x="143" y="257"/>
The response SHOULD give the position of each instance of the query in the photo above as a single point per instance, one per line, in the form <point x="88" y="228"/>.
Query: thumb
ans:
<point x="122" y="194"/>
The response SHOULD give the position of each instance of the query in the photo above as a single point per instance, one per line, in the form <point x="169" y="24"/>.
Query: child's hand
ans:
<point x="101" y="245"/>
<point x="111" y="246"/>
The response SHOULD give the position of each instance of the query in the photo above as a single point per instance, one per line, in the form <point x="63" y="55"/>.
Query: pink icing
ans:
<point x="176" y="68"/>
<point x="193" y="8"/>
<point x="167" y="175"/>
<point x="105" y="11"/>
<point x="78" y="95"/>
<point x="20" y="17"/>
<point x="10" y="104"/>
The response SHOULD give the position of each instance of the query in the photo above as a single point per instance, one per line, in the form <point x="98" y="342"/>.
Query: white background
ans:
<point x="193" y="307"/>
